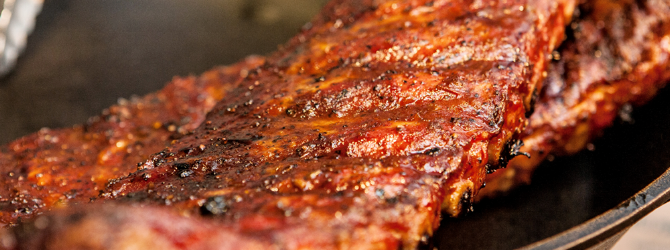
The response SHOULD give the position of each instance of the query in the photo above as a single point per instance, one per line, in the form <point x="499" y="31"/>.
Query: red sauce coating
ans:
<point x="357" y="132"/>
<point x="618" y="56"/>
<point x="61" y="167"/>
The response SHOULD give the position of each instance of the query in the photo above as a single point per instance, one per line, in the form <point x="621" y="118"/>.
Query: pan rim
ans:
<point x="607" y="225"/>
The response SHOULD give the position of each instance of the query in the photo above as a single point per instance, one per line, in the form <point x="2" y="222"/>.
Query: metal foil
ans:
<point x="17" y="20"/>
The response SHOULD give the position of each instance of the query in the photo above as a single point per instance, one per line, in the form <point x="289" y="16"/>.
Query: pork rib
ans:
<point x="60" y="167"/>
<point x="618" y="55"/>
<point x="362" y="127"/>
<point x="389" y="111"/>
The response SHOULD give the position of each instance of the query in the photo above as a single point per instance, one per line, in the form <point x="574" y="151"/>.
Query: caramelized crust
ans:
<point x="363" y="126"/>
<point x="54" y="168"/>
<point x="353" y="135"/>
<point x="618" y="55"/>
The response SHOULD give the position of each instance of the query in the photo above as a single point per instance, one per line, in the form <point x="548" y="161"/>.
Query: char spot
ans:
<point x="290" y="112"/>
<point x="181" y="166"/>
<point x="217" y="205"/>
<point x="380" y="193"/>
<point x="185" y="173"/>
<point x="512" y="149"/>
<point x="533" y="100"/>
<point x="432" y="151"/>
<point x="466" y="201"/>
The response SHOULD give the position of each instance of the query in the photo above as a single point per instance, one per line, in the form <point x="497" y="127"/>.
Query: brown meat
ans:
<point x="357" y="132"/>
<point x="54" y="168"/>
<point x="618" y="55"/>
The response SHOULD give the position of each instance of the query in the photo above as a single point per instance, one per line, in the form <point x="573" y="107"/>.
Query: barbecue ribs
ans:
<point x="617" y="55"/>
<point x="355" y="134"/>
<point x="54" y="168"/>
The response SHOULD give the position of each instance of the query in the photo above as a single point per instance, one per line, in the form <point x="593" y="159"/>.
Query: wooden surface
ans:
<point x="652" y="232"/>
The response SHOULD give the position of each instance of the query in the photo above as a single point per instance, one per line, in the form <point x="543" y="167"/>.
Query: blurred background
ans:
<point x="85" y="54"/>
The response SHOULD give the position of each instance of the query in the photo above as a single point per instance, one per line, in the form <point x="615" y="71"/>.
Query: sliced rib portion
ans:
<point x="126" y="227"/>
<point x="363" y="126"/>
<point x="356" y="133"/>
<point x="618" y="55"/>
<point x="55" y="168"/>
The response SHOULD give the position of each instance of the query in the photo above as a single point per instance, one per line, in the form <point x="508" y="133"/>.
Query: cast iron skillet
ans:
<point x="84" y="54"/>
<point x="578" y="191"/>
<point x="607" y="228"/>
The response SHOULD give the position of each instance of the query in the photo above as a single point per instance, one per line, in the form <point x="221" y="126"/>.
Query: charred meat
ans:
<point x="357" y="133"/>
<point x="60" y="167"/>
<point x="617" y="56"/>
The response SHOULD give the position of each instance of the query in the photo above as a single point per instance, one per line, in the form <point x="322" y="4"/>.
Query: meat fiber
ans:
<point x="61" y="167"/>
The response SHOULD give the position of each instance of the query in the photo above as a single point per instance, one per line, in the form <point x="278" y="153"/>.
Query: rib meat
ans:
<point x="55" y="168"/>
<point x="358" y="131"/>
<point x="618" y="55"/>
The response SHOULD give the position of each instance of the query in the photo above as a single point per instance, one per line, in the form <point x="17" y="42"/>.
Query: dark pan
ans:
<point x="84" y="54"/>
<point x="603" y="231"/>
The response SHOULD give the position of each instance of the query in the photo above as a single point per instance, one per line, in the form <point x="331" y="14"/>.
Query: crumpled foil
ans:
<point x="17" y="20"/>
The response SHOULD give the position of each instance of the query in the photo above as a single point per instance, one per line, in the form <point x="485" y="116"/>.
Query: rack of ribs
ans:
<point x="61" y="167"/>
<point x="357" y="133"/>
<point x="617" y="55"/>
